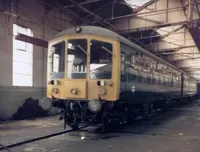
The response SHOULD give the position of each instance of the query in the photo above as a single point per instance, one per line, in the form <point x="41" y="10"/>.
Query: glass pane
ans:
<point x="22" y="80"/>
<point x="22" y="56"/>
<point x="22" y="68"/>
<point x="58" y="53"/>
<point x="101" y="60"/>
<point x="19" y="45"/>
<point x="77" y="59"/>
<point x="29" y="47"/>
<point x="122" y="62"/>
<point x="22" y="30"/>
<point x="56" y="62"/>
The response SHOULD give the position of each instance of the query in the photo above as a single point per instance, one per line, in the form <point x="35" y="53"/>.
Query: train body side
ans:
<point x="144" y="79"/>
<point x="189" y="86"/>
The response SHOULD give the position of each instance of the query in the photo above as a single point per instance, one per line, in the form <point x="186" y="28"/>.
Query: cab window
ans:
<point x="58" y="60"/>
<point x="100" y="60"/>
<point x="77" y="59"/>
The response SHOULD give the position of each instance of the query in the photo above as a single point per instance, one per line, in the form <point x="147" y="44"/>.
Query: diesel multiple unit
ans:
<point x="96" y="75"/>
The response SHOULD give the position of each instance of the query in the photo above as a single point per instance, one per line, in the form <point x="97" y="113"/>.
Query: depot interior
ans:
<point x="169" y="29"/>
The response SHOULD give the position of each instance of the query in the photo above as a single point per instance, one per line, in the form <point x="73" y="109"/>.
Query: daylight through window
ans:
<point x="22" y="58"/>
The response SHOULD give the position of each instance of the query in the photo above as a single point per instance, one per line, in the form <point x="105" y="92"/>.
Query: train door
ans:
<point x="103" y="72"/>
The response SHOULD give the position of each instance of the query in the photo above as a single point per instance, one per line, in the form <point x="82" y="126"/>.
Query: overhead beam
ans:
<point x="181" y="55"/>
<point x="173" y="53"/>
<point x="68" y="11"/>
<point x="174" y="15"/>
<point x="174" y="41"/>
<point x="98" y="9"/>
<point x="157" y="36"/>
<point x="103" y="22"/>
<point x="82" y="3"/>
<point x="197" y="7"/>
<point x="162" y="51"/>
<point x="188" y="63"/>
<point x="191" y="69"/>
<point x="32" y="40"/>
<point x="145" y="6"/>
<point x="162" y="47"/>
<point x="195" y="33"/>
<point x="186" y="59"/>
<point x="146" y="27"/>
<point x="190" y="9"/>
<point x="147" y="13"/>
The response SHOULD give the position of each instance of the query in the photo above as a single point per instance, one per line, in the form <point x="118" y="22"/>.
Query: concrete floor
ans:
<point x="173" y="131"/>
<point x="16" y="131"/>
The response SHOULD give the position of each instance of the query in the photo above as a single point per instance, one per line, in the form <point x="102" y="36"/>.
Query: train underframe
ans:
<point x="76" y="112"/>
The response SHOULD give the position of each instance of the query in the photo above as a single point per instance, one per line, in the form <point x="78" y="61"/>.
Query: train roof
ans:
<point x="95" y="30"/>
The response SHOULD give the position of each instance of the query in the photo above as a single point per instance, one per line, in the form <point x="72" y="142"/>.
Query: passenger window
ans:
<point x="122" y="62"/>
<point x="133" y="59"/>
<point x="133" y="68"/>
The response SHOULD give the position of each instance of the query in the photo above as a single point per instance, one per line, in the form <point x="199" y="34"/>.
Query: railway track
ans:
<point x="7" y="147"/>
<point x="135" y="121"/>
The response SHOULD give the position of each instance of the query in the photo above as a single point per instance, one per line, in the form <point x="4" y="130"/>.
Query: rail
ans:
<point x="7" y="147"/>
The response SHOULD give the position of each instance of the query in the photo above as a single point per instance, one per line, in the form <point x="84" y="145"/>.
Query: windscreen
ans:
<point x="77" y="59"/>
<point x="100" y="60"/>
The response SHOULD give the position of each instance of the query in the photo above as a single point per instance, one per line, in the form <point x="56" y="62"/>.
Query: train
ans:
<point x="96" y="76"/>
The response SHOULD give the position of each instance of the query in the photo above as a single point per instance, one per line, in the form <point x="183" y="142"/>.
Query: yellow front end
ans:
<point x="83" y="67"/>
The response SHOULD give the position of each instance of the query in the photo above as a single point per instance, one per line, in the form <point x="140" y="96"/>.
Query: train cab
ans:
<point x="83" y="67"/>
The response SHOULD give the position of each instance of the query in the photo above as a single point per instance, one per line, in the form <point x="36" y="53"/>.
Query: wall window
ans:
<point x="22" y="58"/>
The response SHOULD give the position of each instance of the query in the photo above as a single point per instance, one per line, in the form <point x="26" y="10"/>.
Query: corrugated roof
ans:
<point x="136" y="3"/>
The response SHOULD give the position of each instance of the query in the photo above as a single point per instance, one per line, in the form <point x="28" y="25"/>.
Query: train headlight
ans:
<point x="53" y="82"/>
<point x="74" y="91"/>
<point x="102" y="83"/>
<point x="55" y="90"/>
<point x="94" y="105"/>
<point x="56" y="82"/>
<point x="78" y="29"/>
<point x="102" y="91"/>
<point x="46" y="103"/>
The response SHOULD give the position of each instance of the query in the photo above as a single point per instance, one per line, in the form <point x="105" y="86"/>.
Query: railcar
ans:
<point x="95" y="75"/>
